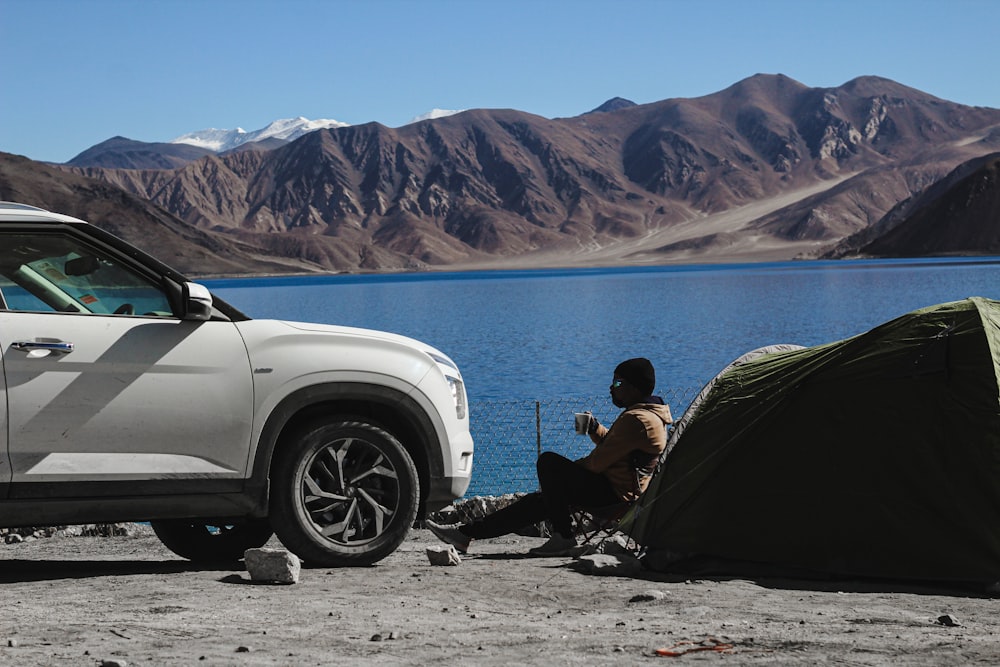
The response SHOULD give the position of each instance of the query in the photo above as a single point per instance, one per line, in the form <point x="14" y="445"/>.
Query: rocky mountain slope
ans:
<point x="958" y="215"/>
<point x="123" y="153"/>
<point x="766" y="169"/>
<point x="182" y="246"/>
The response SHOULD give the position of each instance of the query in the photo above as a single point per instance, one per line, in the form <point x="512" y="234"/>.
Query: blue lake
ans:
<point x="551" y="333"/>
<point x="536" y="346"/>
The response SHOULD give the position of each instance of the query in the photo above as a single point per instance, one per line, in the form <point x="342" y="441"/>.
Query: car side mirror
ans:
<point x="197" y="302"/>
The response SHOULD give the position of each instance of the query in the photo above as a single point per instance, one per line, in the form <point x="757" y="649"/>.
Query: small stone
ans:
<point x="12" y="643"/>
<point x="608" y="565"/>
<point x="948" y="620"/>
<point x="242" y="649"/>
<point x="113" y="662"/>
<point x="376" y="637"/>
<point x="272" y="565"/>
<point x="648" y="596"/>
<point x="443" y="555"/>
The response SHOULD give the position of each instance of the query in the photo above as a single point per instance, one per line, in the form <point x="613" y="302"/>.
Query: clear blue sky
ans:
<point x="77" y="72"/>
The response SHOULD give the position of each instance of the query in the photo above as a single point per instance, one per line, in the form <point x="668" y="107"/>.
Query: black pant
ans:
<point x="564" y="484"/>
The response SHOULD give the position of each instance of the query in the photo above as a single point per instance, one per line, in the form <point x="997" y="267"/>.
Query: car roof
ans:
<point x="15" y="212"/>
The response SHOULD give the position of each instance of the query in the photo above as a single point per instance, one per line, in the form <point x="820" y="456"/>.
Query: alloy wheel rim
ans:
<point x="350" y="491"/>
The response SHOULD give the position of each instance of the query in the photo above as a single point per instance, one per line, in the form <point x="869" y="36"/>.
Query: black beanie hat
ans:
<point x="639" y="373"/>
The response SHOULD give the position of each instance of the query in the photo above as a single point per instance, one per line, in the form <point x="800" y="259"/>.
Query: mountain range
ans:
<point x="125" y="153"/>
<point x="766" y="169"/>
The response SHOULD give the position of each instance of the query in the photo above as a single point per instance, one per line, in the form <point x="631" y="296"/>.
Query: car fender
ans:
<point x="396" y="374"/>
<point x="412" y="409"/>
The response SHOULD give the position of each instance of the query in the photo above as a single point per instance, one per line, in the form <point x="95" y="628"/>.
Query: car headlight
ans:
<point x="455" y="384"/>
<point x="458" y="394"/>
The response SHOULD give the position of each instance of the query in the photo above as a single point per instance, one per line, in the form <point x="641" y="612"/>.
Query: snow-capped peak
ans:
<point x="287" y="129"/>
<point x="435" y="113"/>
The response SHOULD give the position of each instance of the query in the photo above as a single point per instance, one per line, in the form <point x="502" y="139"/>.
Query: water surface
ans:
<point x="550" y="333"/>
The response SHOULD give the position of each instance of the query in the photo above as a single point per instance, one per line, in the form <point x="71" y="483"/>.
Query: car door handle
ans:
<point x="47" y="346"/>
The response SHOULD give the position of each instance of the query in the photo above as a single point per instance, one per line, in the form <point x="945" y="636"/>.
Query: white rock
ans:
<point x="648" y="596"/>
<point x="608" y="565"/>
<point x="443" y="555"/>
<point x="272" y="565"/>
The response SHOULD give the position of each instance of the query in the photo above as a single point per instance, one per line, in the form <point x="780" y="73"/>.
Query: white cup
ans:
<point x="581" y="422"/>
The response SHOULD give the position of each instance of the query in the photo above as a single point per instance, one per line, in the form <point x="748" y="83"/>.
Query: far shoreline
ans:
<point x="496" y="269"/>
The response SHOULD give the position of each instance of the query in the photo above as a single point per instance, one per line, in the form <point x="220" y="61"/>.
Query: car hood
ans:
<point x="370" y="333"/>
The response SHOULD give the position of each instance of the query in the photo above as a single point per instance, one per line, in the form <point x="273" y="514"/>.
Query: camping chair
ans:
<point x="605" y="521"/>
<point x="602" y="522"/>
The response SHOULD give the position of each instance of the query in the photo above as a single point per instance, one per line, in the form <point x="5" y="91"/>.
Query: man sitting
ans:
<point x="616" y="471"/>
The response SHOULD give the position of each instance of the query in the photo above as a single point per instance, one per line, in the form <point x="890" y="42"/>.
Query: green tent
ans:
<point x="875" y="456"/>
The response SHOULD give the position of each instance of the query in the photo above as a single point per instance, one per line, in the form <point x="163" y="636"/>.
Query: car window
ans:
<point x="59" y="273"/>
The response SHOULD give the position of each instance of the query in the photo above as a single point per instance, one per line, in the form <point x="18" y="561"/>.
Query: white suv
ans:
<point x="128" y="393"/>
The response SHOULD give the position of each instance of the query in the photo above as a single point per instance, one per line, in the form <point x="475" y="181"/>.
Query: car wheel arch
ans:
<point x="388" y="408"/>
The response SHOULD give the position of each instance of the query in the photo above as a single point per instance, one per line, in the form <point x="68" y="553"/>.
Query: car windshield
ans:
<point x="50" y="272"/>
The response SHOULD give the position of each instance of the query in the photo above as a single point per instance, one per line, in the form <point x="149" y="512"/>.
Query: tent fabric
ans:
<point x="875" y="456"/>
<point x="681" y="424"/>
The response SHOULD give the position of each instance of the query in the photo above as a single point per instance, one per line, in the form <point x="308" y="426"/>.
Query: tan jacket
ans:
<point x="627" y="452"/>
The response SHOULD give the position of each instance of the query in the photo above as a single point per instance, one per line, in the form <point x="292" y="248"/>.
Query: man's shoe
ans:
<point x="450" y="535"/>
<point x="556" y="546"/>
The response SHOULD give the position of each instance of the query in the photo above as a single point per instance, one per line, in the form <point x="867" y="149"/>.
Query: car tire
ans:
<point x="212" y="543"/>
<point x="344" y="492"/>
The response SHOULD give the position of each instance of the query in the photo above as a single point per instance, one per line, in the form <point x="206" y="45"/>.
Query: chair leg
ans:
<point x="591" y="525"/>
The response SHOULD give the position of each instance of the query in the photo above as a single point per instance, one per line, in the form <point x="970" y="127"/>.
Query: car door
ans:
<point x="139" y="402"/>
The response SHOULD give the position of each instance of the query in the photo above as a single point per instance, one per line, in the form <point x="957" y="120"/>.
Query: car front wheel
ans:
<point x="343" y="493"/>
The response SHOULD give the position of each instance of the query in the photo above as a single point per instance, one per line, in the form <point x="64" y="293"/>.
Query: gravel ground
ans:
<point x="127" y="600"/>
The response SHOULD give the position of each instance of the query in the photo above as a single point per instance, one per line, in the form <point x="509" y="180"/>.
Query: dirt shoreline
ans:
<point x="87" y="600"/>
